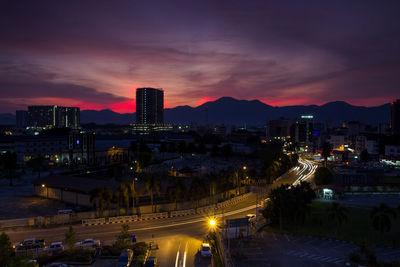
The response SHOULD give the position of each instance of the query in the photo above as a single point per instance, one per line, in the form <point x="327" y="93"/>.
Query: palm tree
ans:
<point x="123" y="195"/>
<point x="326" y="151"/>
<point x="107" y="195"/>
<point x="37" y="163"/>
<point x="337" y="214"/>
<point x="9" y="163"/>
<point x="152" y="185"/>
<point x="133" y="194"/>
<point x="381" y="217"/>
<point x="176" y="190"/>
<point x="95" y="198"/>
<point x="197" y="189"/>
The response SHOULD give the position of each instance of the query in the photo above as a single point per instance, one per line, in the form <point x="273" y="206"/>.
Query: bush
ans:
<point x="323" y="176"/>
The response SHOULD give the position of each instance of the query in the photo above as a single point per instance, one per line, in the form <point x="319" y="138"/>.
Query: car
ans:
<point x="56" y="264"/>
<point x="125" y="259"/>
<point x="88" y="243"/>
<point x="68" y="211"/>
<point x="205" y="250"/>
<point x="55" y="247"/>
<point x="151" y="262"/>
<point x="251" y="217"/>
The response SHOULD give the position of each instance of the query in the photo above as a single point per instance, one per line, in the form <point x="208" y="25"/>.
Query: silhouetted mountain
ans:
<point x="106" y="116"/>
<point x="7" y="119"/>
<point x="231" y="111"/>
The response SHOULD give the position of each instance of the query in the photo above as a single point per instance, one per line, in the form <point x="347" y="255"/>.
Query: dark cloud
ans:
<point x="96" y="51"/>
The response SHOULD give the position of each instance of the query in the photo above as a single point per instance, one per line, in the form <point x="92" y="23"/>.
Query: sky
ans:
<point x="94" y="54"/>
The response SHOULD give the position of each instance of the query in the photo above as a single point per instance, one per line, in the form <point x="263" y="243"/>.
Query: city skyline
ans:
<point x="280" y="53"/>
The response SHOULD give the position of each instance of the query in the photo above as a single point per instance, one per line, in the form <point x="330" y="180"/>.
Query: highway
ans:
<point x="305" y="171"/>
<point x="178" y="238"/>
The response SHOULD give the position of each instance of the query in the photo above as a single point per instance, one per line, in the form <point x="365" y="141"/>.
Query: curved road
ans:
<point x="178" y="238"/>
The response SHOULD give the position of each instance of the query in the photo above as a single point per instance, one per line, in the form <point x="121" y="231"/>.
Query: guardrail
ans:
<point x="162" y="215"/>
<point x="182" y="212"/>
<point x="123" y="219"/>
<point x="151" y="216"/>
<point x="99" y="221"/>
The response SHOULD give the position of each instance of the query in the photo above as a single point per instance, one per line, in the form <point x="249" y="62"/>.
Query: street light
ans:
<point x="212" y="223"/>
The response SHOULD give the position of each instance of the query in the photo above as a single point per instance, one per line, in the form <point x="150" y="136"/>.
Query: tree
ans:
<point x="288" y="203"/>
<point x="364" y="156"/>
<point x="70" y="237"/>
<point x="337" y="214"/>
<point x="176" y="190"/>
<point x="381" y="218"/>
<point x="197" y="189"/>
<point x="152" y="185"/>
<point x="5" y="249"/>
<point x="9" y="164"/>
<point x="123" y="195"/>
<point x="124" y="234"/>
<point x="107" y="195"/>
<point x="322" y="176"/>
<point x="326" y="152"/>
<point x="37" y="163"/>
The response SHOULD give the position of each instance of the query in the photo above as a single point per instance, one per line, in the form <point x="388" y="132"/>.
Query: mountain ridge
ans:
<point x="231" y="111"/>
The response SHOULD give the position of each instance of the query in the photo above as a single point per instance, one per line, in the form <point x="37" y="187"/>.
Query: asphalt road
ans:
<point x="178" y="239"/>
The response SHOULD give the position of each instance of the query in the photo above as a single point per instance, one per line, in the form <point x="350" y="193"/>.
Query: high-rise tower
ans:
<point x="149" y="106"/>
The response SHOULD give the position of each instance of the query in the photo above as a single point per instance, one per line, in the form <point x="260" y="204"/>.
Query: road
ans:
<point x="178" y="238"/>
<point x="305" y="171"/>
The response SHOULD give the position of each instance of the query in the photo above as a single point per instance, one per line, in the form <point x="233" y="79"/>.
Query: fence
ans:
<point x="89" y="218"/>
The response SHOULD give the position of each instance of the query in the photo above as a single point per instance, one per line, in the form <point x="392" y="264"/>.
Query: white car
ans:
<point x="88" y="243"/>
<point x="251" y="217"/>
<point x="205" y="250"/>
<point x="55" y="247"/>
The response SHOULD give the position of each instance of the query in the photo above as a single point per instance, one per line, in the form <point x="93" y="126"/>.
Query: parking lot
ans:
<point x="271" y="249"/>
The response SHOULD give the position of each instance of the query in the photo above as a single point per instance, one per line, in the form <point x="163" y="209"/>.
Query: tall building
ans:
<point x="68" y="117"/>
<point x="302" y="131"/>
<point x="395" y="117"/>
<point x="42" y="116"/>
<point x="149" y="106"/>
<point x="21" y="118"/>
<point x="53" y="116"/>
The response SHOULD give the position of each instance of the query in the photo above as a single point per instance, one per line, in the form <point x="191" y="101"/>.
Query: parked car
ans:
<point x="205" y="250"/>
<point x="30" y="243"/>
<point x="68" y="211"/>
<point x="125" y="259"/>
<point x="251" y="217"/>
<point x="56" y="264"/>
<point x="151" y="262"/>
<point x="88" y="243"/>
<point x="55" y="247"/>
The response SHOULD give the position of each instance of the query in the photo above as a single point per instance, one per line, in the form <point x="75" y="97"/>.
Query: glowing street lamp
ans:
<point x="212" y="223"/>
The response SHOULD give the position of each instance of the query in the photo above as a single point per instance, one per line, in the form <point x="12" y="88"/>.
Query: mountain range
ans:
<point x="232" y="111"/>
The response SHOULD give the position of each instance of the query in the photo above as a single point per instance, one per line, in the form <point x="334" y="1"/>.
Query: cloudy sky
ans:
<point x="94" y="54"/>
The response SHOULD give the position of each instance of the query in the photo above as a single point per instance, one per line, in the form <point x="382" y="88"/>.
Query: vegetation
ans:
<point x="357" y="228"/>
<point x="337" y="214"/>
<point x="5" y="249"/>
<point x="382" y="217"/>
<point x="289" y="204"/>
<point x="323" y="176"/>
<point x="364" y="156"/>
<point x="70" y="237"/>
<point x="9" y="166"/>
<point x="153" y="186"/>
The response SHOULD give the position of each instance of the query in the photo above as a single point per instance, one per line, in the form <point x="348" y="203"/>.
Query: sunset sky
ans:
<point x="93" y="54"/>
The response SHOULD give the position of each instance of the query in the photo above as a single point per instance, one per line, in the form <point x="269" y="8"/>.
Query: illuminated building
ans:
<point x="149" y="106"/>
<point x="53" y="117"/>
